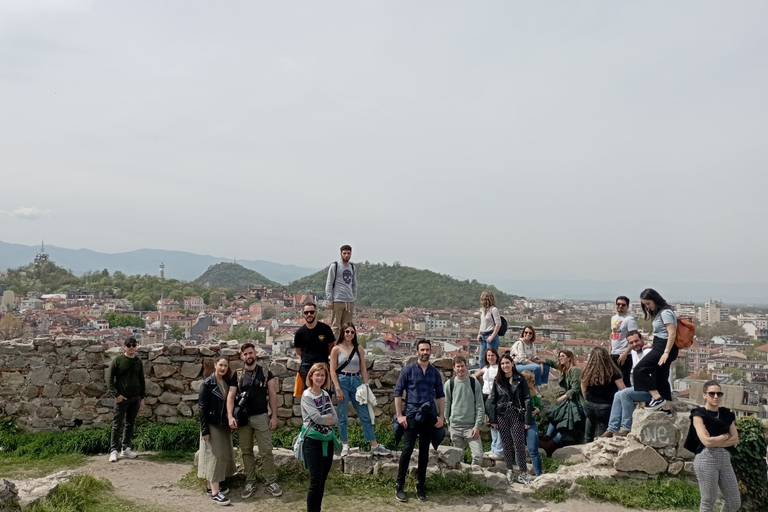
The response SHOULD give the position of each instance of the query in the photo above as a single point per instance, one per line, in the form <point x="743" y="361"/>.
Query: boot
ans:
<point x="549" y="446"/>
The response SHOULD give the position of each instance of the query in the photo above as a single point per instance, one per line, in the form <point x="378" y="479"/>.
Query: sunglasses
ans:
<point x="131" y="345"/>
<point x="621" y="305"/>
<point x="527" y="333"/>
<point x="309" y="313"/>
<point x="349" y="332"/>
<point x="714" y="394"/>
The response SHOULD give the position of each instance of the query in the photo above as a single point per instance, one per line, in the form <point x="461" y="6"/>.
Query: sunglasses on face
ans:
<point x="527" y="333"/>
<point x="309" y="313"/>
<point x="714" y="394"/>
<point x="620" y="305"/>
<point x="349" y="332"/>
<point x="131" y="345"/>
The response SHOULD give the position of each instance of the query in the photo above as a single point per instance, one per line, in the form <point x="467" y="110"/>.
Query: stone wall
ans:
<point x="57" y="384"/>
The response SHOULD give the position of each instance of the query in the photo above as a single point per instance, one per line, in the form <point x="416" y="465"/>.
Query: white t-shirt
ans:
<point x="489" y="375"/>
<point x="620" y="326"/>
<point x="489" y="319"/>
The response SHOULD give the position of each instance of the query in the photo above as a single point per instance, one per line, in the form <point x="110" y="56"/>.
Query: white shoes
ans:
<point x="128" y="453"/>
<point x="379" y="450"/>
<point x="344" y="449"/>
<point x="113" y="456"/>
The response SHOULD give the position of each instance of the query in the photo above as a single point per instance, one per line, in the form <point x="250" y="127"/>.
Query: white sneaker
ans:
<point x="496" y="456"/>
<point x="248" y="491"/>
<point x="510" y="476"/>
<point x="379" y="450"/>
<point x="128" y="453"/>
<point x="113" y="456"/>
<point x="344" y="449"/>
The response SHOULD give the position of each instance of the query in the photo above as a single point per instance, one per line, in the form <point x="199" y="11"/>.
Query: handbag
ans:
<point x="298" y="445"/>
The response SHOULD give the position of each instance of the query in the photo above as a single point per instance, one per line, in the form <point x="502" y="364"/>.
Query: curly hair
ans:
<point x="600" y="368"/>
<point x="487" y="300"/>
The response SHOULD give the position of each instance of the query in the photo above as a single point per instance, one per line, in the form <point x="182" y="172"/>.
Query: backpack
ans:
<point x="503" y="328"/>
<point x="686" y="330"/>
<point x="471" y="384"/>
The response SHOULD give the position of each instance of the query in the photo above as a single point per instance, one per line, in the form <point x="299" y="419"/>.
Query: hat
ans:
<point x="131" y="340"/>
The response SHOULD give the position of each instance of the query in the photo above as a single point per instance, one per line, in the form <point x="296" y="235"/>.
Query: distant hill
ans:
<point x="231" y="275"/>
<point x="396" y="286"/>
<point x="178" y="264"/>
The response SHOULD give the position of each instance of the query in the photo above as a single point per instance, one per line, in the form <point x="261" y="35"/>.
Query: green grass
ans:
<point x="172" y="456"/>
<point x="549" y="465"/>
<point x="14" y="467"/>
<point x="87" y="494"/>
<point x="555" y="495"/>
<point x="657" y="493"/>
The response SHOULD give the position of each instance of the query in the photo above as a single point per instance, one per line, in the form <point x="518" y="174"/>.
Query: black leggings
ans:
<point x="319" y="466"/>
<point x="649" y="375"/>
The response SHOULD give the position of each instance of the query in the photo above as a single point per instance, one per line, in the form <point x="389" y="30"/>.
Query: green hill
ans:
<point x="231" y="275"/>
<point x="396" y="286"/>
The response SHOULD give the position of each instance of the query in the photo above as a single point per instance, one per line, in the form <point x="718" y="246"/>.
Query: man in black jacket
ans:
<point x="126" y="383"/>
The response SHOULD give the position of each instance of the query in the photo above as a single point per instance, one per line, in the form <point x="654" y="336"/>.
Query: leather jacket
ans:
<point x="212" y="405"/>
<point x="515" y="394"/>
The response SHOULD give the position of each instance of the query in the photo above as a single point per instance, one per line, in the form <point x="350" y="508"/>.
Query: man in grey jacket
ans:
<point x="341" y="290"/>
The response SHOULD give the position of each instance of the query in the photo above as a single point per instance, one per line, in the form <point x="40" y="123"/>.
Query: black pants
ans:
<point x="124" y="418"/>
<point x="626" y="368"/>
<point x="319" y="466"/>
<point x="597" y="416"/>
<point x="423" y="431"/>
<point x="649" y="375"/>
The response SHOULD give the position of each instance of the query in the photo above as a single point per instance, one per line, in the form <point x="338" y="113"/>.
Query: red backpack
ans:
<point x="685" y="333"/>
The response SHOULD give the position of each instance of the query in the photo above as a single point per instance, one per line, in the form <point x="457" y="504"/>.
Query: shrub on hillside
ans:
<point x="748" y="459"/>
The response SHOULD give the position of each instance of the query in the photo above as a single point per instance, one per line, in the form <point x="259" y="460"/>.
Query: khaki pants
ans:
<point x="257" y="428"/>
<point x="341" y="314"/>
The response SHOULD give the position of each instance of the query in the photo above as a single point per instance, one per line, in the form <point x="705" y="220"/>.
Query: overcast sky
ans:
<point x="564" y="140"/>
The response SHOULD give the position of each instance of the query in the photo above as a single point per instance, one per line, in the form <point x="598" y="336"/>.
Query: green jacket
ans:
<point x="126" y="377"/>
<point x="571" y="383"/>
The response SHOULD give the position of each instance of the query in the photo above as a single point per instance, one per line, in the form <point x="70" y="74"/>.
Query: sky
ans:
<point x="491" y="140"/>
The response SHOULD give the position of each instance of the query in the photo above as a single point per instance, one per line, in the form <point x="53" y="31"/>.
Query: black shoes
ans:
<point x="400" y="495"/>
<point x="421" y="494"/>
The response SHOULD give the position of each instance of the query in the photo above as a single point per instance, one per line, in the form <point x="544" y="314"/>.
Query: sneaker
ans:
<point x="113" y="456"/>
<point x="655" y="404"/>
<point x="344" y="449"/>
<point x="128" y="453"/>
<point x="223" y="489"/>
<point x="607" y="434"/>
<point x="623" y="432"/>
<point x="220" y="499"/>
<point x="275" y="489"/>
<point x="400" y="495"/>
<point x="248" y="491"/>
<point x="379" y="450"/>
<point x="510" y="476"/>
<point x="668" y="412"/>
<point x="421" y="494"/>
<point x="523" y="478"/>
<point x="496" y="456"/>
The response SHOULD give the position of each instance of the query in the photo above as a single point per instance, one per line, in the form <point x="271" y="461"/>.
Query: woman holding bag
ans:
<point x="349" y="371"/>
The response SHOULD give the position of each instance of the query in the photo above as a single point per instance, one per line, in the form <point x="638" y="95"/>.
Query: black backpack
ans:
<point x="471" y="384"/>
<point x="503" y="328"/>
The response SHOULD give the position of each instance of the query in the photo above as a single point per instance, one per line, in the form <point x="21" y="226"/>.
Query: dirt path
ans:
<point x="156" y="483"/>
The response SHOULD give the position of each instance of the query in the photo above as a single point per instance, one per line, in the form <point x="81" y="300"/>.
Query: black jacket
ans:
<point x="212" y="405"/>
<point x="517" y="394"/>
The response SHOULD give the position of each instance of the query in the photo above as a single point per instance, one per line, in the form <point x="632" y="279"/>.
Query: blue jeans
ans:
<point x="496" y="446"/>
<point x="349" y="385"/>
<point x="624" y="406"/>
<point x="558" y="437"/>
<point x="532" y="443"/>
<point x="541" y="376"/>
<point x="485" y="344"/>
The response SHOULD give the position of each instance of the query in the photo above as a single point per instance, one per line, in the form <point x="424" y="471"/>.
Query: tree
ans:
<point x="11" y="327"/>
<point x="176" y="332"/>
<point x="119" y="320"/>
<point x="735" y="373"/>
<point x="268" y="312"/>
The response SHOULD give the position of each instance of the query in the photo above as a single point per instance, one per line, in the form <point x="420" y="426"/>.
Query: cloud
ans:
<point x="29" y="213"/>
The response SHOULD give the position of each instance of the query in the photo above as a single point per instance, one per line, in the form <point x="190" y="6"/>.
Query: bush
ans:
<point x="748" y="459"/>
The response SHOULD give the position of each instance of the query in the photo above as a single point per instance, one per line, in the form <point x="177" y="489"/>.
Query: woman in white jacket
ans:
<point x="524" y="354"/>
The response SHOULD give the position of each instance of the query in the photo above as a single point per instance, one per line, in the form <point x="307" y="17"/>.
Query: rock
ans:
<point x="278" y="370"/>
<point x="9" y="496"/>
<point x="191" y="370"/>
<point x="288" y="384"/>
<point x="174" y="385"/>
<point x="207" y="352"/>
<point x="169" y="398"/>
<point x="573" y="454"/>
<point x="382" y="468"/>
<point x="653" y="428"/>
<point x="163" y="370"/>
<point x="284" y="413"/>
<point x="676" y="467"/>
<point x="36" y="489"/>
<point x="444" y="363"/>
<point x="46" y="412"/>
<point x="450" y="456"/>
<point x="293" y="364"/>
<point x="195" y="385"/>
<point x="39" y="377"/>
<point x="688" y="468"/>
<point x="165" y="410"/>
<point x="390" y="378"/>
<point x="361" y="463"/>
<point x="381" y="364"/>
<point x="495" y="479"/>
<point x="152" y="388"/>
<point x="78" y="375"/>
<point x="51" y="390"/>
<point x="683" y="423"/>
<point x="185" y="410"/>
<point x="488" y="507"/>
<point x="638" y="457"/>
<point x="95" y="389"/>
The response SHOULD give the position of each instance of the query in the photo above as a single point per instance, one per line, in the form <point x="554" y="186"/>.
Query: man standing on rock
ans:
<point x="422" y="413"/>
<point x="253" y="390"/>
<point x="126" y="383"/>
<point x="464" y="411"/>
<point x="341" y="290"/>
<point x="621" y="323"/>
<point x="313" y="343"/>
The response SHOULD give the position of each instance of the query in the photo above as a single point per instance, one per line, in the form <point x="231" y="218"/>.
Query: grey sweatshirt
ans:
<point x="341" y="285"/>
<point x="311" y="411"/>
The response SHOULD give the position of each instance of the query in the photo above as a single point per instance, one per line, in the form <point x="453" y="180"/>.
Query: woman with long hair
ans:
<point x="600" y="381"/>
<point x="217" y="460"/>
<point x="510" y="410"/>
<point x="652" y="372"/>
<point x="532" y="434"/>
<point x="713" y="430"/>
<point x="319" y="416"/>
<point x="524" y="353"/>
<point x="488" y="373"/>
<point x="568" y="412"/>
<point x="490" y="323"/>
<point x="349" y="372"/>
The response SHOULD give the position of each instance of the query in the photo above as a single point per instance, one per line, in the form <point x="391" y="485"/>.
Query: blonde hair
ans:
<point x="531" y="382"/>
<point x="487" y="300"/>
<point x="319" y="367"/>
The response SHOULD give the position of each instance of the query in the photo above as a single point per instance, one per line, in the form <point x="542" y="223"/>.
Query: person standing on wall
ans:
<point x="126" y="383"/>
<point x="622" y="323"/>
<point x="313" y="343"/>
<point x="490" y="323"/>
<point x="341" y="290"/>
<point x="257" y="388"/>
<point x="652" y="372"/>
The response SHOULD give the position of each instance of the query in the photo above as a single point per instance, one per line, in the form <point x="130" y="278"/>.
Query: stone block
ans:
<point x="284" y="413"/>
<point x="192" y="397"/>
<point x="94" y="348"/>
<point x="676" y="467"/>
<point x="195" y="385"/>
<point x="31" y="392"/>
<point x="390" y="378"/>
<point x="278" y="370"/>
<point x="450" y="456"/>
<point x="162" y="360"/>
<point x="638" y="457"/>
<point x="381" y="364"/>
<point x="573" y="454"/>
<point x="174" y="349"/>
<point x="191" y="351"/>
<point x="39" y="376"/>
<point x="15" y="379"/>
<point x="152" y="388"/>
<point x="361" y="463"/>
<point x="95" y="389"/>
<point x="51" y="390"/>
<point x="163" y="370"/>
<point x="495" y="479"/>
<point x="296" y="410"/>
<point x="683" y="423"/>
<point x="183" y="359"/>
<point x="174" y="385"/>
<point x="185" y="410"/>
<point x="653" y="428"/>
<point x="191" y="370"/>
<point x="78" y="375"/>
<point x="33" y="490"/>
<point x="165" y="410"/>
<point x="169" y="398"/>
<point x="207" y="352"/>
<point x="287" y="384"/>
<point x="229" y="352"/>
<point x="382" y="468"/>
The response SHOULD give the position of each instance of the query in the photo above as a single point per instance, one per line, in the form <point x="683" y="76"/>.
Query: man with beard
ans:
<point x="341" y="290"/>
<point x="253" y="390"/>
<point x="422" y="413"/>
<point x="313" y="343"/>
